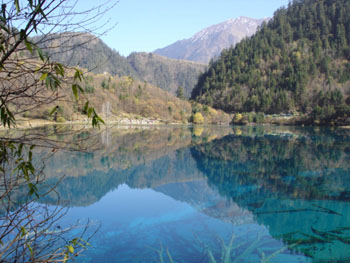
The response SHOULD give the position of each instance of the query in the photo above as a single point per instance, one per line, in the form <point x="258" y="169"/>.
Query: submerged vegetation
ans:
<point x="232" y="252"/>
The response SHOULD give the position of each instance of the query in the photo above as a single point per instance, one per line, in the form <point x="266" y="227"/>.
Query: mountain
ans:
<point x="297" y="62"/>
<point x="168" y="74"/>
<point x="87" y="51"/>
<point x="209" y="42"/>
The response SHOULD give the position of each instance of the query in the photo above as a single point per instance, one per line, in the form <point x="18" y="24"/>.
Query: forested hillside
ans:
<point x="168" y="74"/>
<point x="125" y="100"/>
<point x="298" y="61"/>
<point x="87" y="51"/>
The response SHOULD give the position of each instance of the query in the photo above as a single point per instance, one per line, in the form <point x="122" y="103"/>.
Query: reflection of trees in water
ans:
<point x="288" y="181"/>
<point x="106" y="137"/>
<point x="136" y="156"/>
<point x="294" y="167"/>
<point x="295" y="185"/>
<point x="106" y="109"/>
<point x="174" y="166"/>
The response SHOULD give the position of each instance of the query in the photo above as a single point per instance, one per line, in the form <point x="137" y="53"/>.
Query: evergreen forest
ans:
<point x="298" y="62"/>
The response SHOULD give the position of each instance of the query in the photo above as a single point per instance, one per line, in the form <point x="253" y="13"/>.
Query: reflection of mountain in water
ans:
<point x="208" y="201"/>
<point x="139" y="158"/>
<point x="296" y="182"/>
<point x="127" y="147"/>
<point x="85" y="190"/>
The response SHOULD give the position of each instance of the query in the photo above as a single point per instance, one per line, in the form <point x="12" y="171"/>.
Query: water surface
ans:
<point x="241" y="194"/>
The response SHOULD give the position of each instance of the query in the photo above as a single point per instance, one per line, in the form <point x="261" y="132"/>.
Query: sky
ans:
<point x="145" y="25"/>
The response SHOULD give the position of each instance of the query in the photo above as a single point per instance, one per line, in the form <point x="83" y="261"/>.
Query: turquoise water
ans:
<point x="241" y="194"/>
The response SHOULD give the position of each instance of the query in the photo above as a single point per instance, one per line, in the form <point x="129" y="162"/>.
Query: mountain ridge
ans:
<point x="90" y="52"/>
<point x="210" y="41"/>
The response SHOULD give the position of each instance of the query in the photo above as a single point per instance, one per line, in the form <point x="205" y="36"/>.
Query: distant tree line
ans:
<point x="298" y="61"/>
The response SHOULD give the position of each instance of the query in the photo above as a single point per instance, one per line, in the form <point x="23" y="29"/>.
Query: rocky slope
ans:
<point x="209" y="42"/>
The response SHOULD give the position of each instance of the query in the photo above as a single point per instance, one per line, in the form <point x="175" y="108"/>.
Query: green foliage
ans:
<point x="24" y="169"/>
<point x="250" y="117"/>
<point x="196" y="108"/>
<point x="91" y="113"/>
<point x="61" y="119"/>
<point x="6" y="116"/>
<point x="74" y="244"/>
<point x="180" y="93"/>
<point x="205" y="109"/>
<point x="246" y="118"/>
<point x="123" y="96"/>
<point x="259" y="117"/>
<point x="302" y="50"/>
<point x="104" y="84"/>
<point x="28" y="232"/>
<point x="89" y="89"/>
<point x="139" y="92"/>
<point x="330" y="106"/>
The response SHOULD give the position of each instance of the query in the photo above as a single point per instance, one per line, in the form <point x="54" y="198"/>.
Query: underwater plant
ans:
<point x="230" y="252"/>
<point x="160" y="254"/>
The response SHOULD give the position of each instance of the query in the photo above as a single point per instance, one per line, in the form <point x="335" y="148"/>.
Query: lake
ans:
<point x="210" y="194"/>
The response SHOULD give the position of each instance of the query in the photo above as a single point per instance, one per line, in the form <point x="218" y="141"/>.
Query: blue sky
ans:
<point x="145" y="25"/>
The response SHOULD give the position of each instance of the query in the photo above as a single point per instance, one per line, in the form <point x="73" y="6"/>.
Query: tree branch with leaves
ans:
<point x="30" y="79"/>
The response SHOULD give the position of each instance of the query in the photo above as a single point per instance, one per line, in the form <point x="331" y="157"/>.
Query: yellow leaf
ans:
<point x="70" y="249"/>
<point x="43" y="76"/>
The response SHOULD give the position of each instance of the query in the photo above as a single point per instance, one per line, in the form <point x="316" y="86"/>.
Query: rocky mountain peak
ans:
<point x="210" y="41"/>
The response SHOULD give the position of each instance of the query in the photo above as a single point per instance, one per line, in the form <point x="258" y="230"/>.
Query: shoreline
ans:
<point x="34" y="123"/>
